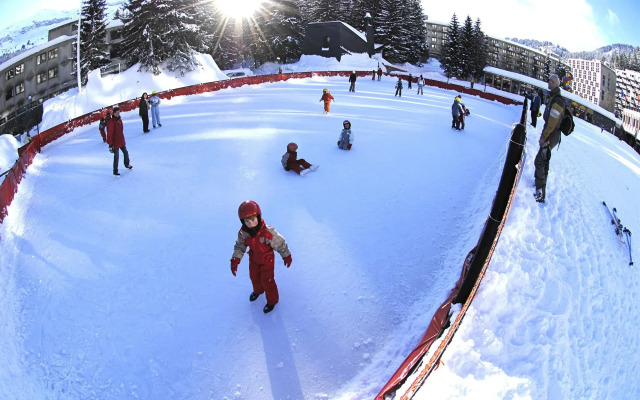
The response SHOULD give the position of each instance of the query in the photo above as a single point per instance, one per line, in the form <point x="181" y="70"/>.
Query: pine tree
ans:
<point x="283" y="30"/>
<point x="414" y="19"/>
<point x="93" y="34"/>
<point x="222" y="36"/>
<point x="480" y="51"/>
<point x="467" y="49"/>
<point x="181" y="35"/>
<point x="451" y="50"/>
<point x="141" y="28"/>
<point x="547" y="69"/>
<point x="359" y="8"/>
<point x="327" y="10"/>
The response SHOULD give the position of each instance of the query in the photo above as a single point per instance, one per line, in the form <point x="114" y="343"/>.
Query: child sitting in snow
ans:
<point x="290" y="161"/>
<point x="327" y="98"/>
<point x="262" y="240"/>
<point x="346" y="137"/>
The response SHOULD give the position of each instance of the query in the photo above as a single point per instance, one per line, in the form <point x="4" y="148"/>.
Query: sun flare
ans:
<point x="239" y="9"/>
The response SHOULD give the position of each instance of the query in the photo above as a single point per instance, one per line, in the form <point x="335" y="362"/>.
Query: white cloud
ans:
<point x="573" y="26"/>
<point x="612" y="17"/>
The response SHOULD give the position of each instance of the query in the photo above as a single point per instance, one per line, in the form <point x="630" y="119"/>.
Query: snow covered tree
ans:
<point x="547" y="69"/>
<point x="417" y="38"/>
<point x="222" y="37"/>
<point x="450" y="58"/>
<point x="141" y="34"/>
<point x="181" y="36"/>
<point x="467" y="52"/>
<point x="358" y="9"/>
<point x="327" y="10"/>
<point x="480" y="50"/>
<point x="93" y="34"/>
<point x="283" y="29"/>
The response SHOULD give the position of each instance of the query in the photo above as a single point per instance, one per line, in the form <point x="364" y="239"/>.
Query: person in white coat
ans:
<point x="154" y="101"/>
<point x="346" y="136"/>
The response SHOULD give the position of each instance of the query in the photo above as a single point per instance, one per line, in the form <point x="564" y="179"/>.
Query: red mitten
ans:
<point x="349" y="146"/>
<point x="234" y="265"/>
<point x="287" y="260"/>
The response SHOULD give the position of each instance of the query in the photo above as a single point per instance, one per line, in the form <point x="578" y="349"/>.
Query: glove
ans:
<point x="287" y="260"/>
<point x="110" y="149"/>
<point x="234" y="265"/>
<point x="349" y="146"/>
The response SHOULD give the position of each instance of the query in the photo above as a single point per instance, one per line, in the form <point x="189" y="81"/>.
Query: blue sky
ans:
<point x="579" y="25"/>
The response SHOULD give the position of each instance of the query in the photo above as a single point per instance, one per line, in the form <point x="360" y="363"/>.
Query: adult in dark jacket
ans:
<point x="550" y="136"/>
<point x="535" y="108"/>
<point x="115" y="139"/>
<point x="352" y="80"/>
<point x="143" y="111"/>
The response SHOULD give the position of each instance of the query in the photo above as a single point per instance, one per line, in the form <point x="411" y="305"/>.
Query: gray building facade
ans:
<point x="336" y="38"/>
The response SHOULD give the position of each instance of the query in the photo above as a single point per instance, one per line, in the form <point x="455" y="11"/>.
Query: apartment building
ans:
<point x="594" y="81"/>
<point x="627" y="90"/>
<point x="502" y="54"/>
<point x="44" y="71"/>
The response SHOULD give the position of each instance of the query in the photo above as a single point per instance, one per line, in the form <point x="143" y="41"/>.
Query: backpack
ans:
<point x="567" y="125"/>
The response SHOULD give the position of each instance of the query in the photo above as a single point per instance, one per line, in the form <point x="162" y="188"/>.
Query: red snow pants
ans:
<point x="299" y="165"/>
<point x="262" y="276"/>
<point x="327" y="106"/>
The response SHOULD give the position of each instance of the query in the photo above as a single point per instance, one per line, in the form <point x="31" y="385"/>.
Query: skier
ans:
<point x="346" y="136"/>
<point x="327" y="98"/>
<point x="352" y="80"/>
<point x="154" y="101"/>
<point x="262" y="240"/>
<point x="143" y="104"/>
<point x="409" y="79"/>
<point x="550" y="136"/>
<point x="456" y="112"/>
<point x="420" y="85"/>
<point x="290" y="162"/>
<point x="379" y="73"/>
<point x="102" y="126"/>
<point x="115" y="138"/>
<point x="535" y="108"/>
<point x="399" y="87"/>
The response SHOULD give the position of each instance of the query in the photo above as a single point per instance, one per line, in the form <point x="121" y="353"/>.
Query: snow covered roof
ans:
<point x="114" y="23"/>
<point x="351" y="28"/>
<point x="63" y="23"/>
<point x="34" y="50"/>
<point x="543" y="85"/>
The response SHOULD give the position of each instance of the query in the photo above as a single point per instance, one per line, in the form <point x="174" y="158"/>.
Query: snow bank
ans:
<point x="102" y="91"/>
<point x="8" y="151"/>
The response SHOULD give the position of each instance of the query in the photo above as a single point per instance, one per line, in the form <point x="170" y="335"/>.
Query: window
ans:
<point x="19" y="69"/>
<point x="53" y="72"/>
<point x="325" y="42"/>
<point x="53" y="53"/>
<point x="74" y="66"/>
<point x="41" y="58"/>
<point x="116" y="34"/>
<point x="74" y="46"/>
<point x="20" y="88"/>
<point x="8" y="94"/>
<point x="42" y="77"/>
<point x="434" y="39"/>
<point x="8" y="75"/>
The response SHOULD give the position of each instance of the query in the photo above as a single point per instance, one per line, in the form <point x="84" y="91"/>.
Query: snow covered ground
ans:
<point x="117" y="288"/>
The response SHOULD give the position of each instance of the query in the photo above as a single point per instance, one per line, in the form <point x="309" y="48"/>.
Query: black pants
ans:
<point x="352" y="88"/>
<point x="534" y="118"/>
<point x="116" y="157"/>
<point x="398" y="92"/>
<point x="145" y="122"/>
<point x="455" y="122"/>
<point x="409" y="84"/>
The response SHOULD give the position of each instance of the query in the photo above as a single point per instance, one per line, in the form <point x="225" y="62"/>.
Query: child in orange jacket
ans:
<point x="327" y="98"/>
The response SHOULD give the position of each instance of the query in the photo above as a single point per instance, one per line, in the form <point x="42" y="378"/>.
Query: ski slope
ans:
<point x="119" y="287"/>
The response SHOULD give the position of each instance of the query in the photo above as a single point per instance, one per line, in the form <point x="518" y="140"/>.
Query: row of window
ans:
<point x="40" y="78"/>
<point x="40" y="58"/>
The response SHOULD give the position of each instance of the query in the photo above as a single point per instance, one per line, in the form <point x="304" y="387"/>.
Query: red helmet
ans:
<point x="248" y="209"/>
<point x="292" y="147"/>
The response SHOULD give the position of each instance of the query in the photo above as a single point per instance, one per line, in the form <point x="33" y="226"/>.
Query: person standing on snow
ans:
<point x="420" y="85"/>
<point x="535" y="107"/>
<point x="154" y="101"/>
<point x="143" y="111"/>
<point x="550" y="137"/>
<point x="352" y="80"/>
<point x="262" y="240"/>
<point x="115" y="138"/>
<point x="399" y="87"/>
<point x="290" y="161"/>
<point x="373" y="75"/>
<point x="379" y="73"/>
<point x="456" y="112"/>
<point x="346" y="136"/>
<point x="327" y="98"/>
<point x="102" y="126"/>
<point x="409" y="80"/>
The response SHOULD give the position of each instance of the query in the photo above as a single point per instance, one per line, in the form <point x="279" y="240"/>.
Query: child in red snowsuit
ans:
<point x="327" y="98"/>
<point x="102" y="127"/>
<point x="290" y="161"/>
<point x="262" y="240"/>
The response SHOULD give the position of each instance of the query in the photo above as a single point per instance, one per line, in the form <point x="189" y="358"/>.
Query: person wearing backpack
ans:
<point x="550" y="137"/>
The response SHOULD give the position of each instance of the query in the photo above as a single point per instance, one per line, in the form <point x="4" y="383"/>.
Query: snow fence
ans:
<point x="413" y="372"/>
<point x="9" y="186"/>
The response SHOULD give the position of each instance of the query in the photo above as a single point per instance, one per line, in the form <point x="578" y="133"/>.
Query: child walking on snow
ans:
<point x="327" y="98"/>
<point x="290" y="161"/>
<point x="346" y="137"/>
<point x="262" y="240"/>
